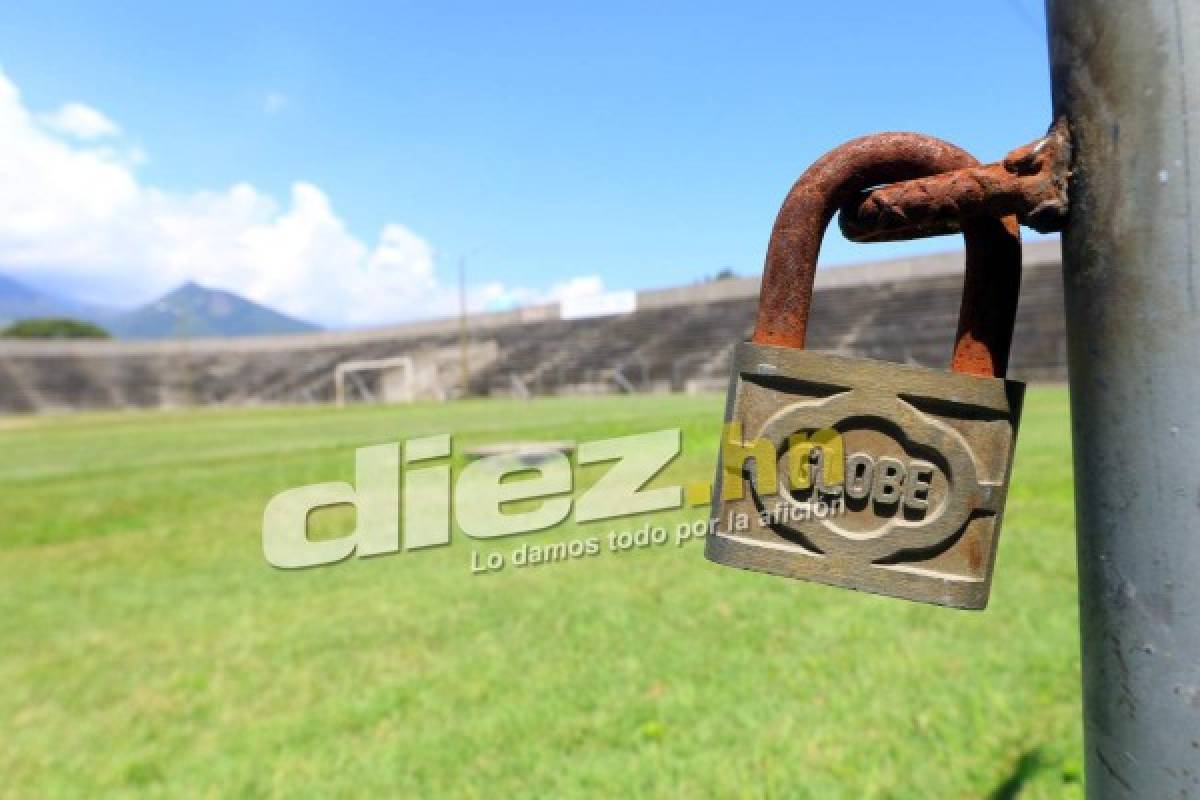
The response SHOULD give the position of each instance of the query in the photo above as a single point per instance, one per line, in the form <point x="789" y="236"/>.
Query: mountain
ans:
<point x="18" y="301"/>
<point x="188" y="311"/>
<point x="193" y="310"/>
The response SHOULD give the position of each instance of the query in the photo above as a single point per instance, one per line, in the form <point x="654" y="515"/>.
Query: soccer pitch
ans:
<point x="149" y="650"/>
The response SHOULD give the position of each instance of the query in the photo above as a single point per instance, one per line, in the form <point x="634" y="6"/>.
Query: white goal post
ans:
<point x="397" y="384"/>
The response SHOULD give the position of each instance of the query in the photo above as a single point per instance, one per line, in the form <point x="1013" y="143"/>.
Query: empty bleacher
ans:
<point x="677" y="339"/>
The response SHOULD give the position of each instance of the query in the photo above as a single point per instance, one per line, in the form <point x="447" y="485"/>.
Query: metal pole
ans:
<point x="1126" y="75"/>
<point x="464" y="362"/>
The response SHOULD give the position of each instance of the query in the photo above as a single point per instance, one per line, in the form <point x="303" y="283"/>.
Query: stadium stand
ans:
<point x="676" y="339"/>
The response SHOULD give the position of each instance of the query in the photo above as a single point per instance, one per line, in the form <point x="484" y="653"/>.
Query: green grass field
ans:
<point x="146" y="648"/>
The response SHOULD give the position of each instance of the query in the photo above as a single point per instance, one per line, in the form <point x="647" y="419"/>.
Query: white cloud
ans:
<point x="274" y="103"/>
<point x="82" y="122"/>
<point x="76" y="215"/>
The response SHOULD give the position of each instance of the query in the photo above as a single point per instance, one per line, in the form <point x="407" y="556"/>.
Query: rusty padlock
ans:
<point x="883" y="477"/>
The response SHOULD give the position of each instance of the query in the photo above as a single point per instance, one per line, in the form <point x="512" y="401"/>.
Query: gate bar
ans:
<point x="1126" y="74"/>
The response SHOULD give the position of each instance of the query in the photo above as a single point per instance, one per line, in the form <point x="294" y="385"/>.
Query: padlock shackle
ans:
<point x="993" y="260"/>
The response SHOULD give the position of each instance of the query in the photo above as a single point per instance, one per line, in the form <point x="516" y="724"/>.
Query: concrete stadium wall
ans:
<point x="679" y="337"/>
<point x="873" y="273"/>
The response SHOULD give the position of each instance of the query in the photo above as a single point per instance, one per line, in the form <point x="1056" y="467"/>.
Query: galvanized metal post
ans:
<point x="1126" y="75"/>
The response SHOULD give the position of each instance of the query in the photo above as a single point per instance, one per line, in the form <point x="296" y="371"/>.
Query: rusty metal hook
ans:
<point x="993" y="260"/>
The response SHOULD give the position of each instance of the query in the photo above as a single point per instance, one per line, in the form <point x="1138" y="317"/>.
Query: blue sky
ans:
<point x="562" y="147"/>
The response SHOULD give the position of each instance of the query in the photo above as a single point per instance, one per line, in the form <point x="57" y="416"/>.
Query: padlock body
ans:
<point x="887" y="478"/>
